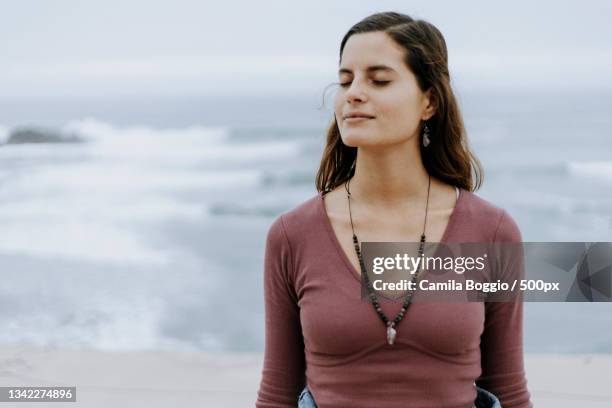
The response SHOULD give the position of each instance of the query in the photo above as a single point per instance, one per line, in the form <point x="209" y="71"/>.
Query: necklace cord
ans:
<point x="390" y="324"/>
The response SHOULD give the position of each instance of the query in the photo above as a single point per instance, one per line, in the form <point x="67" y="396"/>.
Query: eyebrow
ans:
<point x="369" y="69"/>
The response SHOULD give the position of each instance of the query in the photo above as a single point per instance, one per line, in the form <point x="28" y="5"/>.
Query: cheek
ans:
<point x="400" y="113"/>
<point x="338" y="101"/>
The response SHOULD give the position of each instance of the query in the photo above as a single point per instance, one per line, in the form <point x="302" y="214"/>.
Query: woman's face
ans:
<point x="374" y="80"/>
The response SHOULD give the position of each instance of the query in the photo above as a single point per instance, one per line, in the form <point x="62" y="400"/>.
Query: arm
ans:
<point x="283" y="374"/>
<point x="501" y="343"/>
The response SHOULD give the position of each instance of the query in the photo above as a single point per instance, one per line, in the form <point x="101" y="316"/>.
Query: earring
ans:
<point x="426" y="140"/>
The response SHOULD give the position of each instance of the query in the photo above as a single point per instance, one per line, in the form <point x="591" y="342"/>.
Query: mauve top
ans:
<point x="321" y="333"/>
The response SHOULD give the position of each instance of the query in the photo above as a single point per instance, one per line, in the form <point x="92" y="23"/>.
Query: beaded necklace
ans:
<point x="390" y="324"/>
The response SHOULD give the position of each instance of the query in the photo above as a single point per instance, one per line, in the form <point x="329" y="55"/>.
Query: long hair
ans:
<point x="447" y="157"/>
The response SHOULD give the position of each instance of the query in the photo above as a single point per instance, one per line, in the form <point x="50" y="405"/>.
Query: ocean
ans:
<point x="149" y="234"/>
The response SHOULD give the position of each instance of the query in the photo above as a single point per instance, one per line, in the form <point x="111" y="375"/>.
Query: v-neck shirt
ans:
<point x="319" y="332"/>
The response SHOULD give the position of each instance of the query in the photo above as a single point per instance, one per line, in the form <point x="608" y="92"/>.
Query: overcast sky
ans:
<point x="111" y="47"/>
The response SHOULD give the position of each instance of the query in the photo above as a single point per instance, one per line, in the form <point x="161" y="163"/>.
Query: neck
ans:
<point x="390" y="177"/>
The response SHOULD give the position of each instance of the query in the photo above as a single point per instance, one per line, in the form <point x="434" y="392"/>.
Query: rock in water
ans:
<point x="32" y="135"/>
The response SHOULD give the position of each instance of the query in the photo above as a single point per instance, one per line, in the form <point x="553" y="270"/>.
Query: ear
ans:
<point x="428" y="104"/>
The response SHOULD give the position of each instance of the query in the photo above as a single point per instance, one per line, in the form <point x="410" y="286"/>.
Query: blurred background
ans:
<point x="146" y="147"/>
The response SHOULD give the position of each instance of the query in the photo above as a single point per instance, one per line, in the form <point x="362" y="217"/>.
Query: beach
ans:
<point x="228" y="380"/>
<point x="147" y="157"/>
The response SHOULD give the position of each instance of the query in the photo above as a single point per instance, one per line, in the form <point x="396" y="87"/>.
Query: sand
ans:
<point x="227" y="380"/>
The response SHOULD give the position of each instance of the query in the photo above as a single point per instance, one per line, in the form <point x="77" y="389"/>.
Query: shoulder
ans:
<point x="489" y="219"/>
<point x="298" y="220"/>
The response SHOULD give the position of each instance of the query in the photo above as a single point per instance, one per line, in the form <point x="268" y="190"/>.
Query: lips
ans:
<point x="357" y="119"/>
<point x="358" y="115"/>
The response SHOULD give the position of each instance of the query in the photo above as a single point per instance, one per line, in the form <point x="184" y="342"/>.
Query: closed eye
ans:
<point x="377" y="83"/>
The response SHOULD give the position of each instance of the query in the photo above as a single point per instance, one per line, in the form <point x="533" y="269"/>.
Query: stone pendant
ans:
<point x="391" y="332"/>
<point x="426" y="140"/>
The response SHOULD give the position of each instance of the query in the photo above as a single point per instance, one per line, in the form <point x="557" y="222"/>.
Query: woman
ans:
<point x="396" y="168"/>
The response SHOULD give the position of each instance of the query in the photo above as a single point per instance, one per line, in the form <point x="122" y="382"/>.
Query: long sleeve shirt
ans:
<point x="321" y="333"/>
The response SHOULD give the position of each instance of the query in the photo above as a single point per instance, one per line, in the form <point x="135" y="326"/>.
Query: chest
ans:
<point x="386" y="229"/>
<point x="336" y="321"/>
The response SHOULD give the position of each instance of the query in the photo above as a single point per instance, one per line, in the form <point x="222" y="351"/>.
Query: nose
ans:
<point x="355" y="93"/>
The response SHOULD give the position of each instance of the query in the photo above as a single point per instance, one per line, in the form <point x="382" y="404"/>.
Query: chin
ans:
<point x="354" y="139"/>
<point x="361" y="139"/>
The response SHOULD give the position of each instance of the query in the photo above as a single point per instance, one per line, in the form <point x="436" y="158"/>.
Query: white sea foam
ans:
<point x="174" y="146"/>
<point x="90" y="201"/>
<point x="98" y="177"/>
<point x="149" y="208"/>
<point x="89" y="240"/>
<point x="137" y="136"/>
<point x="98" y="323"/>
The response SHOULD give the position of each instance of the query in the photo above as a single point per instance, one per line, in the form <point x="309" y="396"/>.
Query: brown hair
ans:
<point x="448" y="157"/>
